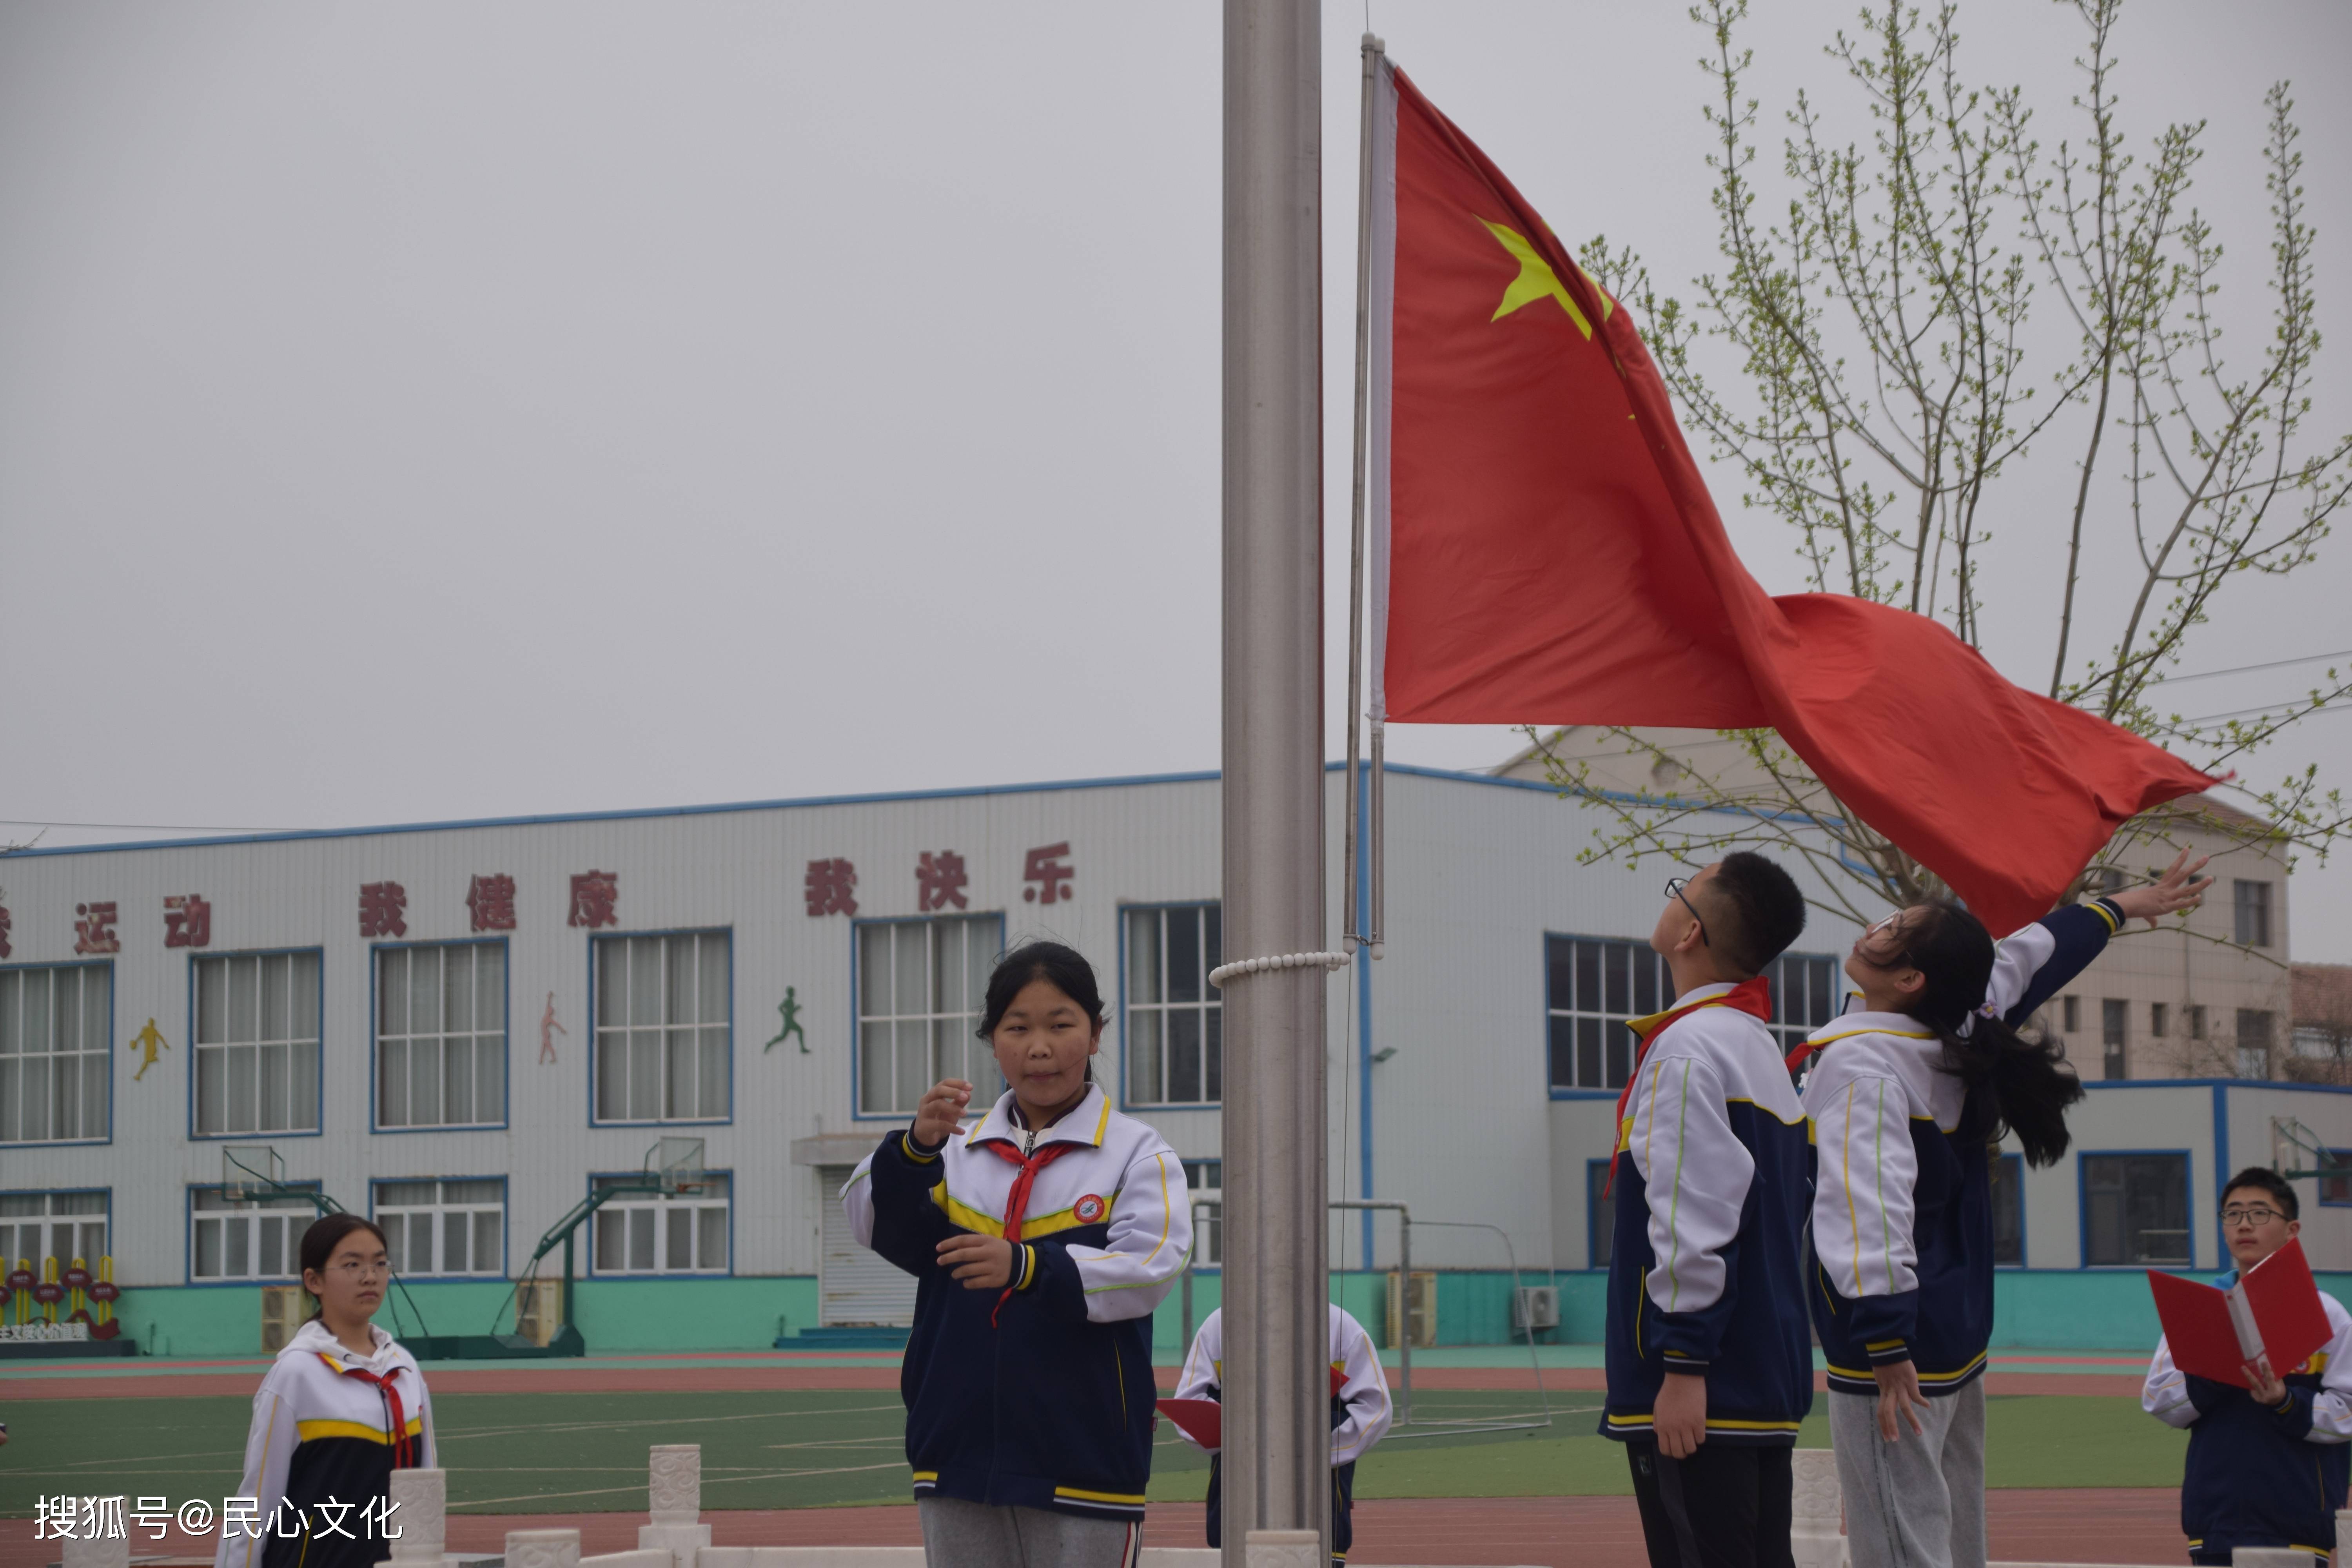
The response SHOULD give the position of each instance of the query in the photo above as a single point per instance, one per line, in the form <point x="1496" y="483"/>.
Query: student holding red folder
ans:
<point x="2267" y="1465"/>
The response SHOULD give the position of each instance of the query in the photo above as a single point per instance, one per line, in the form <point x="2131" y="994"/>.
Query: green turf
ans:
<point x="528" y="1453"/>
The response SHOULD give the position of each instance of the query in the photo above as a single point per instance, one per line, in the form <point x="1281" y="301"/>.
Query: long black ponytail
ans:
<point x="2014" y="1083"/>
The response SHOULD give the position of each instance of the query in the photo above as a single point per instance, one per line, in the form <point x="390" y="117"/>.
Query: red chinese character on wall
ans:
<point x="939" y="880"/>
<point x="187" y="922"/>
<point x="491" y="899"/>
<point x="595" y="896"/>
<point x="94" y="932"/>
<point x="831" y="887"/>
<point x="383" y="910"/>
<point x="4" y="949"/>
<point x="1046" y="867"/>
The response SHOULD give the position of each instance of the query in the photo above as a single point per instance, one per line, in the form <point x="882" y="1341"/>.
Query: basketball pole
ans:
<point x="1277" y="1454"/>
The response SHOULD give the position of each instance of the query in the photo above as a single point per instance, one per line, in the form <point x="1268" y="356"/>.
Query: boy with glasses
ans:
<point x="2267" y="1466"/>
<point x="1709" y="1363"/>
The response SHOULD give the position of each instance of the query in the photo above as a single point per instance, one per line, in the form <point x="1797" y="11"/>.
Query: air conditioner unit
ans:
<point x="1413" y="1306"/>
<point x="539" y="1310"/>
<point x="1535" y="1307"/>
<point x="283" y="1309"/>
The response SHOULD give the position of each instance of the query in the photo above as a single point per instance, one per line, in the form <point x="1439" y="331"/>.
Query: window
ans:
<point x="257" y="1044"/>
<point x="1594" y="985"/>
<point x="259" y="1239"/>
<point x="441" y="1036"/>
<point x="1205" y="1182"/>
<point x="648" y="1233"/>
<point x="2008" y="1210"/>
<point x="2073" y="1009"/>
<point x="2195" y="1018"/>
<point x="2158" y="1018"/>
<point x="2115" y="1024"/>
<point x="921" y="986"/>
<point x="2135" y="1210"/>
<point x="664" y="1010"/>
<point x="64" y="1226"/>
<point x="56" y="1029"/>
<point x="1805" y="995"/>
<point x="1175" y="1024"/>
<point x="2254" y="912"/>
<point x="1600" y="1214"/>
<point x="444" y="1227"/>
<point x="2253" y="1042"/>
<point x="2336" y="1178"/>
<point x="2102" y="881"/>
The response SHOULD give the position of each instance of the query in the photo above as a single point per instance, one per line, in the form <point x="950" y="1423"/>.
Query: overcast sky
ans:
<point x="417" y="412"/>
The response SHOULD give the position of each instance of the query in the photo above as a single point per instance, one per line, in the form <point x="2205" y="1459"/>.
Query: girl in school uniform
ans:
<point x="1043" y="1236"/>
<point x="342" y="1408"/>
<point x="1910" y="1098"/>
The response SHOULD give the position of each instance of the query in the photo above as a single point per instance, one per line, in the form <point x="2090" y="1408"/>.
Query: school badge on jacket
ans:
<point x="1040" y="1395"/>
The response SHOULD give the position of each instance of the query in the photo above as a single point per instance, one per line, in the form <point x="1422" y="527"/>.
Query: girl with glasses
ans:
<point x="342" y="1408"/>
<point x="1908" y="1098"/>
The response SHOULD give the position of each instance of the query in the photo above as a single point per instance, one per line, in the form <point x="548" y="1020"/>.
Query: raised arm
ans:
<point x="2033" y="964"/>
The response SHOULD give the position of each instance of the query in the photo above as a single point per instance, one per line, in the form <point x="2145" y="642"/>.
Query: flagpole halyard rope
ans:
<point x="1224" y="972"/>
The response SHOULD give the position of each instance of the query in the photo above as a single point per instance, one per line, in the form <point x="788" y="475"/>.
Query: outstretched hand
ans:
<point x="2178" y="889"/>
<point x="936" y="1117"/>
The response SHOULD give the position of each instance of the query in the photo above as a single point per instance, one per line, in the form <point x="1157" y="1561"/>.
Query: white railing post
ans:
<point x="1816" y="1533"/>
<point x="542" y="1549"/>
<point x="419" y="1510"/>
<point x="1285" y="1549"/>
<point x="675" y="1498"/>
<point x="102" y="1550"/>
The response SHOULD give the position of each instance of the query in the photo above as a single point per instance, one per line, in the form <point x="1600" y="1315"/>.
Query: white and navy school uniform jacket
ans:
<point x="1360" y="1413"/>
<point x="1713" y="1185"/>
<point x="1902" y="1222"/>
<point x="2259" y="1475"/>
<point x="321" y="1436"/>
<point x="1040" y="1395"/>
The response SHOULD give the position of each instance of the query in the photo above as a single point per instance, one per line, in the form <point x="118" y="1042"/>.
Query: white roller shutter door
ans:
<point x="856" y="1284"/>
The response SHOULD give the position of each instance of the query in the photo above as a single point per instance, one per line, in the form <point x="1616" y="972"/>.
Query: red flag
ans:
<point x="1544" y="551"/>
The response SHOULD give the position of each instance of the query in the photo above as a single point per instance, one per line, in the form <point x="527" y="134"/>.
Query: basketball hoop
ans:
<point x="675" y="1164"/>
<point x="249" y="1173"/>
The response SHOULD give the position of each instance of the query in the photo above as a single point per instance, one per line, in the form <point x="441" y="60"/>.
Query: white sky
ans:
<point x="438" y="411"/>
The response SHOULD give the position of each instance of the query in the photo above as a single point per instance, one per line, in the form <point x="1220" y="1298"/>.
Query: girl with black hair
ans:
<point x="1910" y="1098"/>
<point x="341" y="1408"/>
<point x="1043" y="1237"/>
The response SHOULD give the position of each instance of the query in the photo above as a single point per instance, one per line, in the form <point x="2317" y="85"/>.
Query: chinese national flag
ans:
<point x="1544" y="552"/>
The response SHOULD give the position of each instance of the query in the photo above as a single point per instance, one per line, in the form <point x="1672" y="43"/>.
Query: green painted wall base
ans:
<point x="2083" y="1310"/>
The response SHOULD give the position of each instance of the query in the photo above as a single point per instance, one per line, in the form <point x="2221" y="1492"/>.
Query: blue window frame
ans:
<point x="655" y="1234"/>
<point x="922" y="987"/>
<point x="661" y="1026"/>
<point x="438" y="1020"/>
<point x="256" y="1021"/>
<point x="1594" y="985"/>
<point x="1172" y="1023"/>
<point x="56" y="1054"/>
<point x="2136" y="1209"/>
<point x="1599" y="1215"/>
<point x="2007" y="1173"/>
<point x="2336" y="1183"/>
<point x="443" y="1226"/>
<point x="257" y="1241"/>
<point x="63" y="1223"/>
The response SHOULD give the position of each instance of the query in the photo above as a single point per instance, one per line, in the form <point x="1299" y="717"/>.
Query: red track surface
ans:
<point x="587" y="1377"/>
<point x="2071" y="1526"/>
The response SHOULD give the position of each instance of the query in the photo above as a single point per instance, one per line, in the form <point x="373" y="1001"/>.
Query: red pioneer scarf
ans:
<point x="403" y="1453"/>
<point x="1017" y="1203"/>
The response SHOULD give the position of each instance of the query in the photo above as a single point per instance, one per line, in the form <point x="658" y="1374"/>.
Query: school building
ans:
<point x="468" y="1030"/>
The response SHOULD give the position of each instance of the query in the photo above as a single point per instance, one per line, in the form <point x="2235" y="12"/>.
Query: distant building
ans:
<point x="2323" y="1024"/>
<point x="2207" y="998"/>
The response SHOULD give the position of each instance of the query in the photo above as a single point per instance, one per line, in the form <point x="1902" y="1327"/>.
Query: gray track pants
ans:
<point x="960" y="1534"/>
<point x="1919" y="1502"/>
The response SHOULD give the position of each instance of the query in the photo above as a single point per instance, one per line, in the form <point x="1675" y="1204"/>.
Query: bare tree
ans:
<point x="1909" y="317"/>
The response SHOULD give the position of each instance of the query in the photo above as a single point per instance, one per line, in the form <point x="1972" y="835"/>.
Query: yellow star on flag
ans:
<point x="1535" y="281"/>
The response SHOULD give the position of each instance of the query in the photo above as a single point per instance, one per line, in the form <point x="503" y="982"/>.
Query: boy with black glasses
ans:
<point x="2267" y="1467"/>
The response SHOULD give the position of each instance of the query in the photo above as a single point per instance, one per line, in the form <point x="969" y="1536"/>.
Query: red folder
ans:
<point x="2271" y="1320"/>
<point x="1203" y="1420"/>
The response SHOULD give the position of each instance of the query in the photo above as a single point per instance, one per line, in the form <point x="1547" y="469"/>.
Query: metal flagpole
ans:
<point x="1352" y="919"/>
<point x="1276" y="1459"/>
